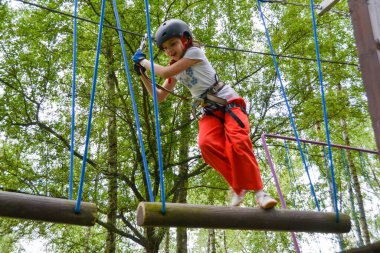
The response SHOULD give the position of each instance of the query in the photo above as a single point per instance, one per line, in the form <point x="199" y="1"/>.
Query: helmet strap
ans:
<point x="186" y="44"/>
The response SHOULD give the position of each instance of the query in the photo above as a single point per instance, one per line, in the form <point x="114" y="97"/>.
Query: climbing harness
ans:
<point x="210" y="102"/>
<point x="209" y="97"/>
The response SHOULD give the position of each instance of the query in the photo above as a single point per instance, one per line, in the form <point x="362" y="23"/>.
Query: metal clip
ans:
<point x="194" y="109"/>
<point x="143" y="42"/>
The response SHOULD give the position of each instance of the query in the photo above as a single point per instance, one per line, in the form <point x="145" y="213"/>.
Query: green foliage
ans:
<point x="35" y="117"/>
<point x="7" y="244"/>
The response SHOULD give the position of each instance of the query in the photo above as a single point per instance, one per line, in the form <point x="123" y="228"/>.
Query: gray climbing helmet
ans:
<point x="173" y="28"/>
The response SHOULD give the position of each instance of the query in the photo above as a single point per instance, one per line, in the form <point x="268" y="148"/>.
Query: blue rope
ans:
<point x="307" y="155"/>
<point x="324" y="109"/>
<point x="133" y="102"/>
<point x="77" y="207"/>
<point x="73" y="94"/>
<point x="287" y="105"/>
<point x="155" y="107"/>
<point x="325" y="158"/>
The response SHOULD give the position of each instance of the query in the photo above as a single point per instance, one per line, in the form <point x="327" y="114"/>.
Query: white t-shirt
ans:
<point x="200" y="76"/>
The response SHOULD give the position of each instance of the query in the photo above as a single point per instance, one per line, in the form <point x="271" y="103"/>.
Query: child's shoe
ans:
<point x="264" y="200"/>
<point x="237" y="199"/>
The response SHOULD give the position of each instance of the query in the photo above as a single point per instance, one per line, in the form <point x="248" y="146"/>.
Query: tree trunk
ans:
<point x="154" y="237"/>
<point x="353" y="212"/>
<point x="351" y="194"/>
<point x="182" y="232"/>
<point x="355" y="181"/>
<point x="181" y="240"/>
<point x="167" y="242"/>
<point x="346" y="172"/>
<point x="112" y="147"/>
<point x="87" y="243"/>
<point x="358" y="195"/>
<point x="183" y="170"/>
<point x="225" y="241"/>
<point x="212" y="241"/>
<point x="328" y="174"/>
<point x="375" y="178"/>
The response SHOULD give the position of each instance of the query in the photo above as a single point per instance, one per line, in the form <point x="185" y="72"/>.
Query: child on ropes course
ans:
<point x="224" y="127"/>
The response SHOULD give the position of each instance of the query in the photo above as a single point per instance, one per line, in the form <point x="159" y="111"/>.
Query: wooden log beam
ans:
<point x="41" y="208"/>
<point x="370" y="248"/>
<point x="224" y="217"/>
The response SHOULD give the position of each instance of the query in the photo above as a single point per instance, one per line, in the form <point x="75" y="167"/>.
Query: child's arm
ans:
<point x="171" y="70"/>
<point x="166" y="72"/>
<point x="161" y="94"/>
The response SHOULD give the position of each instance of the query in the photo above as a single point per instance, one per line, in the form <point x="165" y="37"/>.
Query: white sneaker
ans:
<point x="264" y="200"/>
<point x="237" y="199"/>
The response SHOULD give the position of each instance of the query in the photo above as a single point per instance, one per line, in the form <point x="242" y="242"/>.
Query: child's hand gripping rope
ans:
<point x="139" y="56"/>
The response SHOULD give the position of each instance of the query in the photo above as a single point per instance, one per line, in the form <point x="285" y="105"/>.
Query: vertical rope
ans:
<point x="287" y="105"/>
<point x="324" y="109"/>
<point x="73" y="95"/>
<point x="137" y="120"/>
<point x="328" y="174"/>
<point x="158" y="135"/>
<point x="362" y="166"/>
<point x="80" y="190"/>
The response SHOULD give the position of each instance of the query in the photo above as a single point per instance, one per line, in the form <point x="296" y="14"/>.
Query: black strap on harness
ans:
<point x="233" y="115"/>
<point x="211" y="102"/>
<point x="209" y="110"/>
<point x="208" y="99"/>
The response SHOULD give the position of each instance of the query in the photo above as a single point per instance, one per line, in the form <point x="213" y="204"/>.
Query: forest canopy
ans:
<point x="36" y="76"/>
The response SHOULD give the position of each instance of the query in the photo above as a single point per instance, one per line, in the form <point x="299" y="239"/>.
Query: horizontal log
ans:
<point x="223" y="217"/>
<point x="370" y="248"/>
<point x="47" y="209"/>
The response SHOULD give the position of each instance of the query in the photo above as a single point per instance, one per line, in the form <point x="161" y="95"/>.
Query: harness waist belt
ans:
<point x="216" y="87"/>
<point x="209" y="99"/>
<point x="215" y="99"/>
<point x="211" y="92"/>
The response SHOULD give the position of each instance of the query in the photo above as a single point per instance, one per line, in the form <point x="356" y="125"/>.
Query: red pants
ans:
<point x="227" y="147"/>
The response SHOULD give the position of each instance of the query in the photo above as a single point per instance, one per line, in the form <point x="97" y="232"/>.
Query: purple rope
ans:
<point x="282" y="200"/>
<point x="322" y="143"/>
<point x="270" y="162"/>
